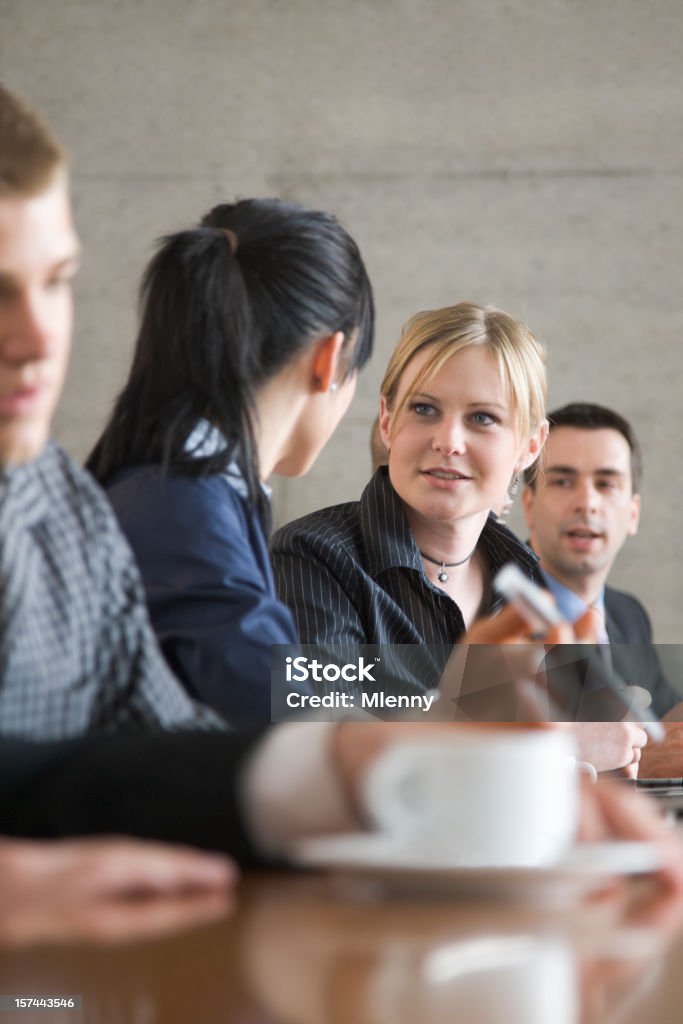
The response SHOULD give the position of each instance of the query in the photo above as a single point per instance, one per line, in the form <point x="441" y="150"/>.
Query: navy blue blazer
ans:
<point x="206" y="569"/>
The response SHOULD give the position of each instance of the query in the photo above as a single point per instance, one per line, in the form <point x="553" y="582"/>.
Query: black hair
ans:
<point x="589" y="416"/>
<point x="225" y="306"/>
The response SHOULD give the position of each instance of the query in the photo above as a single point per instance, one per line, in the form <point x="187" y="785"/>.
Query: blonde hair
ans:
<point x="520" y="357"/>
<point x="30" y="155"/>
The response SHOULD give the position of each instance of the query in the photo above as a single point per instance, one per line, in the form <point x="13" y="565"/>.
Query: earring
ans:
<point x="513" y="487"/>
<point x="333" y="386"/>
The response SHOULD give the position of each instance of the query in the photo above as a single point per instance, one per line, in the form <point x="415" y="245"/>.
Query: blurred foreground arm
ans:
<point x="105" y="888"/>
<point x="249" y="796"/>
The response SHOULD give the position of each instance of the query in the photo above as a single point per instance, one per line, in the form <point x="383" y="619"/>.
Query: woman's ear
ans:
<point x="385" y="419"/>
<point x="534" y="446"/>
<point x="326" y="362"/>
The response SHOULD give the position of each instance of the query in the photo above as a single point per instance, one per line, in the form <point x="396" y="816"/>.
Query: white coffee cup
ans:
<point x="486" y="798"/>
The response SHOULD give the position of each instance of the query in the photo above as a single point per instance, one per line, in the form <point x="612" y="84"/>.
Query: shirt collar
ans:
<point x="206" y="440"/>
<point x="571" y="606"/>
<point x="389" y="541"/>
<point x="22" y="489"/>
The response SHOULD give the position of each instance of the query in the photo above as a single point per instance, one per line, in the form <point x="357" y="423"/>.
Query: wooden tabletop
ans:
<point x="298" y="948"/>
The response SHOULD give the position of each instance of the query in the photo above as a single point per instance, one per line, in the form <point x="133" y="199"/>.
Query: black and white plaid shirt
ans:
<point x="77" y="653"/>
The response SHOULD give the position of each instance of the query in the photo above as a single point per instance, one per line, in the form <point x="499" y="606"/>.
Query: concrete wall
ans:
<point x="524" y="154"/>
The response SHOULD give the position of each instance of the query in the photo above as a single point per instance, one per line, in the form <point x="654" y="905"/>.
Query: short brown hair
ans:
<point x="30" y="154"/>
<point x="589" y="416"/>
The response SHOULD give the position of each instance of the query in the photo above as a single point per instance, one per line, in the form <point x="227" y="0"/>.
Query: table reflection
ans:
<point x="297" y="949"/>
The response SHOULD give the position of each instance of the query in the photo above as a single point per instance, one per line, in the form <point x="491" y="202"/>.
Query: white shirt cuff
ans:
<point x="291" y="788"/>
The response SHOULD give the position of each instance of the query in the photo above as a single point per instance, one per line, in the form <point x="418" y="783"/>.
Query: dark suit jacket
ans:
<point x="634" y="655"/>
<point x="634" y="659"/>
<point x="178" y="787"/>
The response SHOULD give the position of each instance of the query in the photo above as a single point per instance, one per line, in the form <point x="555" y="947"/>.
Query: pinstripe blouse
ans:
<point x="352" y="575"/>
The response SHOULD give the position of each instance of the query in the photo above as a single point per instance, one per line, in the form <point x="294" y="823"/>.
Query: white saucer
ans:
<point x="399" y="866"/>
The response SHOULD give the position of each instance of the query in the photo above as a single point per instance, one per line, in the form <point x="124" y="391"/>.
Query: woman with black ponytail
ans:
<point x="253" y="328"/>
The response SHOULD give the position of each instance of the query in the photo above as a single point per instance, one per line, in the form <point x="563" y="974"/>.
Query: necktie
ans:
<point x="603" y="648"/>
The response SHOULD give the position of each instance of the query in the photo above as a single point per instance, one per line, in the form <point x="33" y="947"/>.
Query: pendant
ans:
<point x="443" y="576"/>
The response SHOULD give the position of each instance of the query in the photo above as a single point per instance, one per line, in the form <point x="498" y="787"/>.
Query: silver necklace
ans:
<point x="442" y="576"/>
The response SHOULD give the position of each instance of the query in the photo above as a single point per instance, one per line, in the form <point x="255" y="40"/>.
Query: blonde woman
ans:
<point x="462" y="414"/>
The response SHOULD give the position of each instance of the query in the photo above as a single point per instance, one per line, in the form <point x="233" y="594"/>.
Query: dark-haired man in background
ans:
<point x="580" y="507"/>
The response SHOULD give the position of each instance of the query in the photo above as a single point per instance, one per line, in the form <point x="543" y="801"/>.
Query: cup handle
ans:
<point x="586" y="768"/>
<point x="387" y="792"/>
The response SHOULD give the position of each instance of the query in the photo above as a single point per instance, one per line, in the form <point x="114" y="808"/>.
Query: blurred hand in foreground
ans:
<point x="611" y="810"/>
<point x="106" y="889"/>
